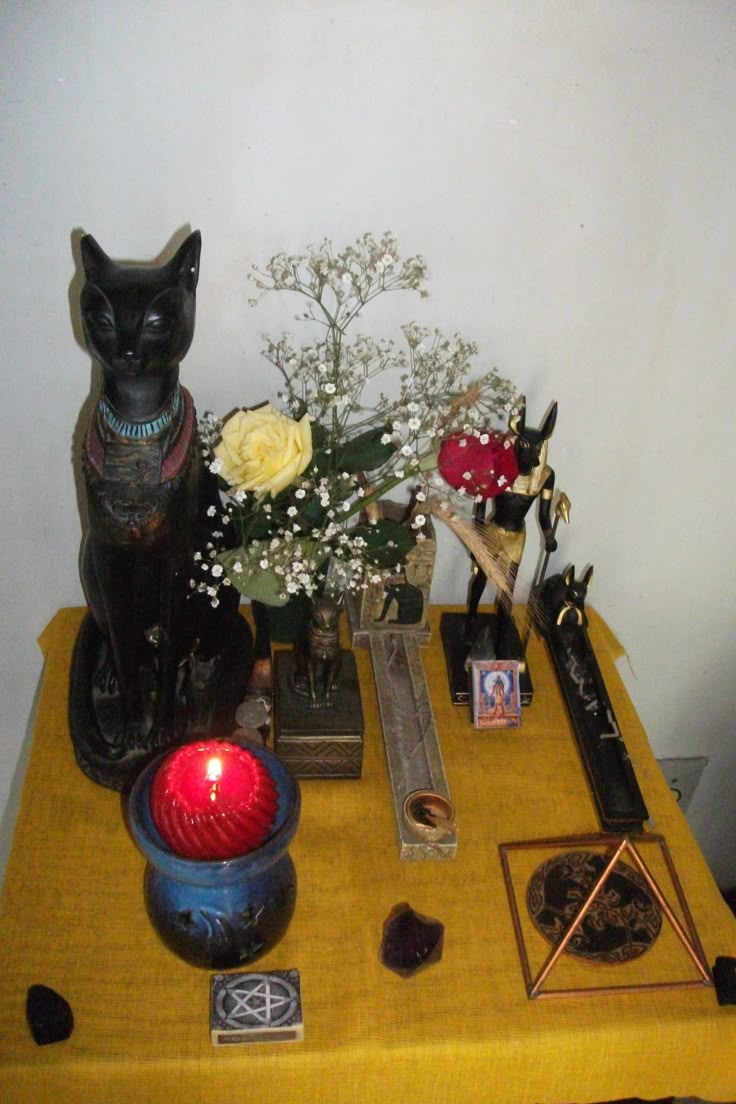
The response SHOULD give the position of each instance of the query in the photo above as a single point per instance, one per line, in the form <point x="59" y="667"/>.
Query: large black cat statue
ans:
<point x="155" y="662"/>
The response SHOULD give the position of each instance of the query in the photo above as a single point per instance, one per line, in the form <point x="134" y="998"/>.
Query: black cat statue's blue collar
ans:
<point x="140" y="430"/>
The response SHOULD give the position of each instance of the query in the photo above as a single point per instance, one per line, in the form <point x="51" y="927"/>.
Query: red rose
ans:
<point x="485" y="465"/>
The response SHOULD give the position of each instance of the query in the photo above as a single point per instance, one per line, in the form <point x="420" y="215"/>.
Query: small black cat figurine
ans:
<point x="153" y="665"/>
<point x="319" y="657"/>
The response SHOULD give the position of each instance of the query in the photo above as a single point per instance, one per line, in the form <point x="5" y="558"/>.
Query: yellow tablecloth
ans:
<point x="72" y="917"/>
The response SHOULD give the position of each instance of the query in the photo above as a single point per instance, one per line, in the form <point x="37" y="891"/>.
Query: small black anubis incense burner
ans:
<point x="154" y="664"/>
<point x="564" y="624"/>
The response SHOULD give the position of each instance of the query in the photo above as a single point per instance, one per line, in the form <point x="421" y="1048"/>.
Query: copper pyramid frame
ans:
<point x="617" y="847"/>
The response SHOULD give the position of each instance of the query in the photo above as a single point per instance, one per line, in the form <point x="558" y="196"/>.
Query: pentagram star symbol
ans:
<point x="185" y="920"/>
<point x="265" y="1001"/>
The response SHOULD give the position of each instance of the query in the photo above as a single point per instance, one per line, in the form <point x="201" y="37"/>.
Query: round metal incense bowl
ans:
<point x="429" y="815"/>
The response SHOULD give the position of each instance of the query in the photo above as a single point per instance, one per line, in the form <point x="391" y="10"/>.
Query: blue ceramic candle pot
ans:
<point x="219" y="914"/>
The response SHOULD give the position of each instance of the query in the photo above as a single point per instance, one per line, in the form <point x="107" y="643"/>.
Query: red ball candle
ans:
<point x="213" y="800"/>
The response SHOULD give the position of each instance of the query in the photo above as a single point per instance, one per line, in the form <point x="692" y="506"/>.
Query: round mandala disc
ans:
<point x="623" y="921"/>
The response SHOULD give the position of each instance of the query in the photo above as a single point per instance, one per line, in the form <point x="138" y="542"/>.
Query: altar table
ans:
<point x="72" y="917"/>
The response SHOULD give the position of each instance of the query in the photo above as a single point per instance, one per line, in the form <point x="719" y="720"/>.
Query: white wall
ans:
<point x="566" y="167"/>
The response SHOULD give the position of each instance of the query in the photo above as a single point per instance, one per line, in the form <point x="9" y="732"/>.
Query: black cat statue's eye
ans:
<point x="155" y="663"/>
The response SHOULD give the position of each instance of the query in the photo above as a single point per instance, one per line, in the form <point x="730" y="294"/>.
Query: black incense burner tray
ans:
<point x="611" y="776"/>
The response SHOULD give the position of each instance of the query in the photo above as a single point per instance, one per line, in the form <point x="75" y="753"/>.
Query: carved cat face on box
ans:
<point x="138" y="323"/>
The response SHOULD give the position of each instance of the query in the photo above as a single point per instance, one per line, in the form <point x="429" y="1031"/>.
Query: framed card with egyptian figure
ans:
<point x="496" y="695"/>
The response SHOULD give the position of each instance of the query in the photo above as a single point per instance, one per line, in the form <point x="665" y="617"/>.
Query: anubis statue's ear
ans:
<point x="94" y="257"/>
<point x="588" y="576"/>
<point x="547" y="427"/>
<point x="185" y="262"/>
<point x="569" y="576"/>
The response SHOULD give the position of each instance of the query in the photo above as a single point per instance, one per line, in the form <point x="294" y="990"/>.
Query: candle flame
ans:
<point x="214" y="770"/>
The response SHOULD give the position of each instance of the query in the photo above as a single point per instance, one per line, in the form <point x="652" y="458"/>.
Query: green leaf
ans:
<point x="312" y="514"/>
<point x="365" y="452"/>
<point x="320" y="462"/>
<point x="253" y="581"/>
<point x="257" y="525"/>
<point x="387" y="542"/>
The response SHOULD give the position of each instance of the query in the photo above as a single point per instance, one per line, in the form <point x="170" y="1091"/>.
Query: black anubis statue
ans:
<point x="154" y="665"/>
<point x="507" y="527"/>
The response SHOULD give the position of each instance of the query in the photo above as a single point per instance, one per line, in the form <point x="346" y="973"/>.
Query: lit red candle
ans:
<point x="213" y="800"/>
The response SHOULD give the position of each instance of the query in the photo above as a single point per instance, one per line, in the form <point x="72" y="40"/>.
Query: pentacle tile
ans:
<point x="622" y="923"/>
<point x="256" y="1008"/>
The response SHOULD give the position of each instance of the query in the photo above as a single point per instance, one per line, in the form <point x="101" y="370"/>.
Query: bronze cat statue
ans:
<point x="155" y="664"/>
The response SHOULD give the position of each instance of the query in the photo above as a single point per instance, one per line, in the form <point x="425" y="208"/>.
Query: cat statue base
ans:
<point x="156" y="663"/>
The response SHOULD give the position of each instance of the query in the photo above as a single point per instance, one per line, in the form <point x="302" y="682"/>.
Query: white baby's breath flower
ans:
<point x="330" y="389"/>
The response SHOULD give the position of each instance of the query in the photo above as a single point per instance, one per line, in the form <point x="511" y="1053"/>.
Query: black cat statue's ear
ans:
<point x="94" y="257"/>
<point x="185" y="262"/>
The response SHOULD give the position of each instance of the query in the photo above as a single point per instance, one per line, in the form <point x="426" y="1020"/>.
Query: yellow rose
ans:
<point x="262" y="450"/>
